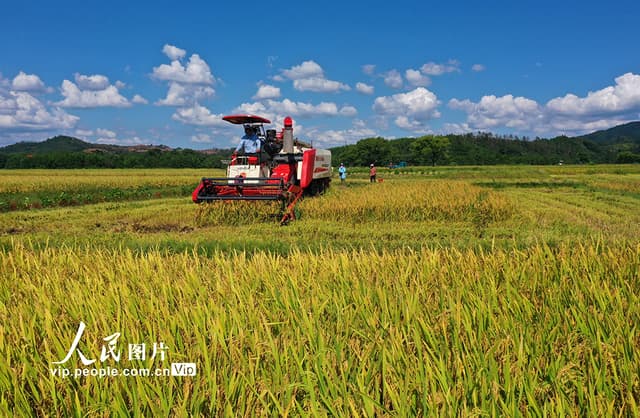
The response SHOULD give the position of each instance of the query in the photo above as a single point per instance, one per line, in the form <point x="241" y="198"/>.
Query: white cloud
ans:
<point x="348" y="111"/>
<point x="277" y="110"/>
<point x="418" y="105"/>
<point x="289" y="107"/>
<point x="319" y="85"/>
<point x="197" y="71"/>
<point x="76" y="97"/>
<point x="174" y="53"/>
<point x="416" y="78"/>
<point x="83" y="133"/>
<point x="403" y="122"/>
<point x="364" y="88"/>
<point x="257" y="108"/>
<point x="569" y="114"/>
<point x="188" y="83"/>
<point x="369" y="69"/>
<point x="185" y="94"/>
<point x="332" y="138"/>
<point x="105" y="133"/>
<point x="393" y="79"/>
<point x="8" y="103"/>
<point x="491" y="112"/>
<point x="27" y="82"/>
<point x="91" y="82"/>
<point x="456" y="128"/>
<point x="201" y="139"/>
<point x="308" y="69"/>
<point x="478" y="67"/>
<point x="266" y="91"/>
<point x="21" y="111"/>
<point x="622" y="98"/>
<point x="309" y="76"/>
<point x="431" y="68"/>
<point x="197" y="115"/>
<point x="135" y="140"/>
<point x="137" y="99"/>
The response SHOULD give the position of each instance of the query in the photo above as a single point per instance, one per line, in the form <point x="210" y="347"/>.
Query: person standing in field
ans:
<point x="343" y="172"/>
<point x="372" y="173"/>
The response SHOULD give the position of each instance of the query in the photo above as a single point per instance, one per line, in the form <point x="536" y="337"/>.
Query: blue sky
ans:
<point x="166" y="72"/>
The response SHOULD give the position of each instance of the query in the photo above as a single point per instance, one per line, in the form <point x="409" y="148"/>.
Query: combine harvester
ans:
<point x="284" y="170"/>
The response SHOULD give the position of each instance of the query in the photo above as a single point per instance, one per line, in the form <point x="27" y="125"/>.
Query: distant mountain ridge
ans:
<point x="629" y="132"/>
<point x="63" y="144"/>
<point x="620" y="144"/>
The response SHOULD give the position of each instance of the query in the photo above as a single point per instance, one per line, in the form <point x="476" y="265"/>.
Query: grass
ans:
<point x="450" y="291"/>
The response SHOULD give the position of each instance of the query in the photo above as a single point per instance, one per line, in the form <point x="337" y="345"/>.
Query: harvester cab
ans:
<point x="283" y="169"/>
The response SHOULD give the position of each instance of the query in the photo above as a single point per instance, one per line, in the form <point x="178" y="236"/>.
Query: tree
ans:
<point x="431" y="149"/>
<point x="373" y="150"/>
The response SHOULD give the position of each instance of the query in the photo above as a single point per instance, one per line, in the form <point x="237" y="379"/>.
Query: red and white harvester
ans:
<point x="284" y="169"/>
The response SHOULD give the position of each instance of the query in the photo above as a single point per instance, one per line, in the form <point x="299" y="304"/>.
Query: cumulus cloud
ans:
<point x="622" y="98"/>
<point x="20" y="111"/>
<point x="187" y="83"/>
<point x="83" y="133"/>
<point x="105" y="133"/>
<point x="416" y="78"/>
<point x="418" y="105"/>
<point x="106" y="96"/>
<point x="403" y="122"/>
<point x="308" y="69"/>
<point x="201" y="139"/>
<point x="185" y="94"/>
<point x="393" y="79"/>
<point x="196" y="71"/>
<point x="309" y="76"/>
<point x="432" y="68"/>
<point x="456" y="128"/>
<point x="477" y="68"/>
<point x="601" y="109"/>
<point x="134" y="140"/>
<point x="319" y="85"/>
<point x="27" y="82"/>
<point x="276" y="110"/>
<point x="348" y="111"/>
<point x="335" y="137"/>
<point x="137" y="99"/>
<point x="197" y="115"/>
<point x="174" y="53"/>
<point x="91" y="82"/>
<point x="266" y="91"/>
<point x="491" y="112"/>
<point x="364" y="88"/>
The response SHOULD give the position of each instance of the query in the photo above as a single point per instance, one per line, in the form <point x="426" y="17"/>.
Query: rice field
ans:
<point x="509" y="291"/>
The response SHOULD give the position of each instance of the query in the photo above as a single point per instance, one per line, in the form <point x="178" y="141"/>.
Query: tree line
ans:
<point x="183" y="158"/>
<point x="484" y="149"/>
<point x="468" y="149"/>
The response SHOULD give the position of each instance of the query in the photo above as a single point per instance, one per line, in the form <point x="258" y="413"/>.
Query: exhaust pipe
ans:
<point x="287" y="136"/>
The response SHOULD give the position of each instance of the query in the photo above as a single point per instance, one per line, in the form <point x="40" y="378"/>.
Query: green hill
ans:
<point x="55" y="144"/>
<point x="627" y="133"/>
<point x="620" y="144"/>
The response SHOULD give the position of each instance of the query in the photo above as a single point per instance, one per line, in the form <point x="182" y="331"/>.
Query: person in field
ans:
<point x="372" y="173"/>
<point x="343" y="172"/>
<point x="250" y="142"/>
